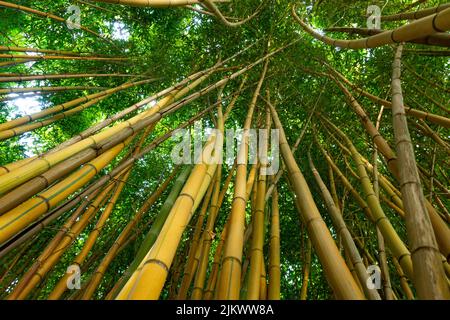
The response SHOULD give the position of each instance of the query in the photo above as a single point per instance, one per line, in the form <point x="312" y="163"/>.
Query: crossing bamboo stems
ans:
<point x="199" y="270"/>
<point x="63" y="107"/>
<point x="216" y="12"/>
<point x="45" y="15"/>
<point x="294" y="149"/>
<point x="230" y="275"/>
<point x="343" y="285"/>
<point x="43" y="163"/>
<point x="395" y="243"/>
<point x="20" y="194"/>
<point x="214" y="275"/>
<point x="56" y="247"/>
<point x="193" y="259"/>
<point x="127" y="111"/>
<point x="61" y="286"/>
<point x="429" y="278"/>
<point x="341" y="229"/>
<point x="99" y="272"/>
<point x="216" y="202"/>
<point x="42" y="123"/>
<point x="441" y="230"/>
<point x="196" y="263"/>
<point x="418" y="76"/>
<point x="148" y="280"/>
<point x="16" y="219"/>
<point x="30" y="170"/>
<point x="437" y="119"/>
<point x="438" y="22"/>
<point x="155" y="229"/>
<point x="403" y="280"/>
<point x="387" y="287"/>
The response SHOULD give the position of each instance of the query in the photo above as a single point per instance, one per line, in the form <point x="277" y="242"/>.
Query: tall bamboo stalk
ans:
<point x="429" y="278"/>
<point x="343" y="285"/>
<point x="230" y="275"/>
<point x="256" y="252"/>
<point x="344" y="234"/>
<point x="99" y="272"/>
<point x="274" y="258"/>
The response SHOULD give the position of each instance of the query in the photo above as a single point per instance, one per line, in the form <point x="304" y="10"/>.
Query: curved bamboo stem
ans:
<point x="415" y="15"/>
<point x="439" y="22"/>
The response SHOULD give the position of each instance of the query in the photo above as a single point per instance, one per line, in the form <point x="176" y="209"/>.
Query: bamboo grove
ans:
<point x="93" y="205"/>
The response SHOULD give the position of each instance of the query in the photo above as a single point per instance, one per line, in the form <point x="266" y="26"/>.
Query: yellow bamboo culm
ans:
<point x="230" y="275"/>
<point x="16" y="219"/>
<point x="61" y="286"/>
<point x="208" y="233"/>
<point x="256" y="252"/>
<point x="149" y="278"/>
<point x="274" y="258"/>
<point x="56" y="248"/>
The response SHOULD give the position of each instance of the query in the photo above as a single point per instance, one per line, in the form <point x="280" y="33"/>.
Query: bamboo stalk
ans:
<point x="45" y="15"/>
<point x="99" y="272"/>
<point x="438" y="22"/>
<point x="429" y="277"/>
<point x="193" y="260"/>
<point x="16" y="219"/>
<point x="306" y="271"/>
<point x="30" y="57"/>
<point x="345" y="235"/>
<point x="435" y="39"/>
<point x="155" y="229"/>
<point x="343" y="285"/>
<point x="45" y="89"/>
<point x="60" y="52"/>
<point x="157" y="3"/>
<point x="10" y="125"/>
<point x="230" y="275"/>
<point x="415" y="15"/>
<point x="256" y="252"/>
<point x="274" y="258"/>
<point x="21" y="78"/>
